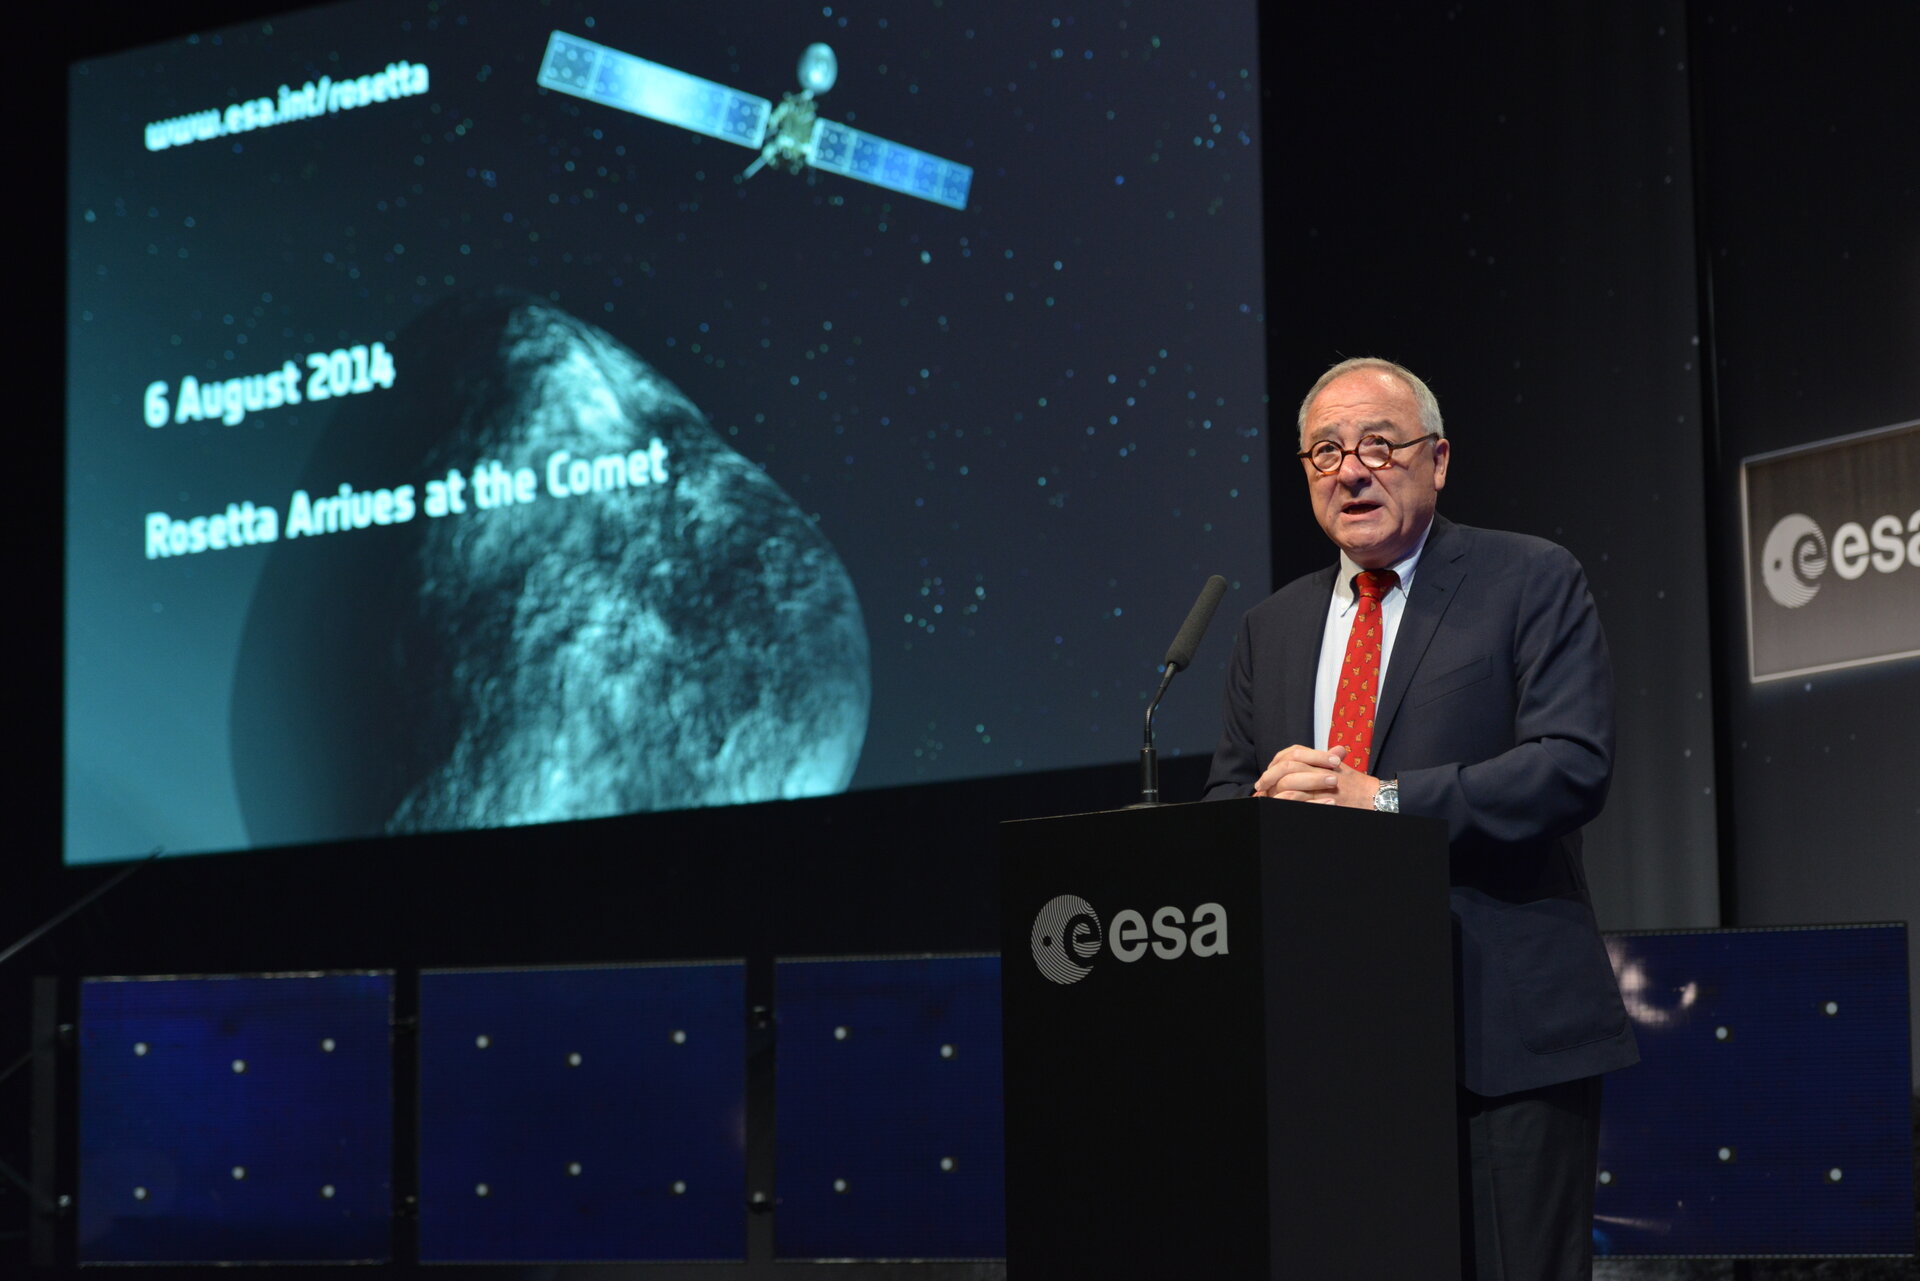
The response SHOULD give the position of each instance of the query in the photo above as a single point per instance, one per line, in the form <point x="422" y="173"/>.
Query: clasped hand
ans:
<point x="1302" y="774"/>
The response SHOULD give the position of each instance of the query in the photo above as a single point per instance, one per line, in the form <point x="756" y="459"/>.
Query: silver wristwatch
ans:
<point x="1387" y="799"/>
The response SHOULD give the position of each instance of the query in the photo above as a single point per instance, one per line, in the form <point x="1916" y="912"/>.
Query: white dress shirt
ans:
<point x="1333" y="641"/>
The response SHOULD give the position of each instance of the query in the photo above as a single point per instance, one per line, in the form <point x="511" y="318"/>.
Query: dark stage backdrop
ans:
<point x="1523" y="238"/>
<point x="1812" y="232"/>
<point x="1499" y="198"/>
<point x="1504" y="199"/>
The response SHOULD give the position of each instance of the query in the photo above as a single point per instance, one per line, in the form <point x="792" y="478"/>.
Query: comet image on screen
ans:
<point x="643" y="621"/>
<point x="486" y="415"/>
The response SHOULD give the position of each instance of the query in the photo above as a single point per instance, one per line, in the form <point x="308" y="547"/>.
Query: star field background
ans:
<point x="1029" y="428"/>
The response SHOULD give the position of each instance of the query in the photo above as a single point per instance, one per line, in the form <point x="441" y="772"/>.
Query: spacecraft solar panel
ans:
<point x="890" y="1142"/>
<point x="599" y="74"/>
<point x="583" y="1114"/>
<point x="1769" y="1113"/>
<point x="236" y="1119"/>
<point x="838" y="148"/>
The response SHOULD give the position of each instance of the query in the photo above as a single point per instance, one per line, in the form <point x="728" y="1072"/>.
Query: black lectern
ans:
<point x="1229" y="1045"/>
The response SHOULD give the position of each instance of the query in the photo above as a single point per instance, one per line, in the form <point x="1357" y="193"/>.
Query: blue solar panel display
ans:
<point x="236" y="1119"/>
<point x="574" y="1115"/>
<point x="891" y="1143"/>
<point x="599" y="74"/>
<point x="842" y="149"/>
<point x="1769" y="1114"/>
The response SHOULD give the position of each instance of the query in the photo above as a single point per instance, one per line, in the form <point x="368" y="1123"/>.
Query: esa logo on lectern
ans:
<point x="1067" y="936"/>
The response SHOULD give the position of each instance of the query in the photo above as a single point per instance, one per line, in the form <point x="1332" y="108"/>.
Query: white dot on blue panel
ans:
<point x="946" y="1051"/>
<point x="139" y="1049"/>
<point x="839" y="1185"/>
<point x="482" y="1041"/>
<point x="239" y="1065"/>
<point x="679" y="1187"/>
<point x="481" y="1189"/>
<point x="573" y="1168"/>
<point x="946" y="1163"/>
<point x="840" y="1034"/>
<point x="573" y="1060"/>
<point x="1833" y="1175"/>
<point x="679" y="1036"/>
<point x="326" y="1190"/>
<point x="327" y="1045"/>
<point x="239" y="1171"/>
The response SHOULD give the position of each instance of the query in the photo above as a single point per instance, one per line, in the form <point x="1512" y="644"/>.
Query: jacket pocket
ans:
<point x="1450" y="681"/>
<point x="1557" y="971"/>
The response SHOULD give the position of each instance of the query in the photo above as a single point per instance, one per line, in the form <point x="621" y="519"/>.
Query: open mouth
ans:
<point x="1358" y="508"/>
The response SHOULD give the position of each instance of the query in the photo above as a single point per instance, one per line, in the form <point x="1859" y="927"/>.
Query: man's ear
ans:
<point x="1441" y="451"/>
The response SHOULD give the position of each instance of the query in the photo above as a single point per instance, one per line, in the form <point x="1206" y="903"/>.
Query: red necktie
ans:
<point x="1359" y="688"/>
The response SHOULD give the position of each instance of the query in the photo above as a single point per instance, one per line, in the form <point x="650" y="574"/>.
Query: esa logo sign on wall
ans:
<point x="1067" y="936"/>
<point x="1836" y="582"/>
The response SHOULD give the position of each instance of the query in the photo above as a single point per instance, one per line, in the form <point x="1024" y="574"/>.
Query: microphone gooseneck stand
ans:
<point x="1179" y="654"/>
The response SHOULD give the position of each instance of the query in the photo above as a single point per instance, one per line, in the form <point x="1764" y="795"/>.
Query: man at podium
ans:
<point x="1460" y="674"/>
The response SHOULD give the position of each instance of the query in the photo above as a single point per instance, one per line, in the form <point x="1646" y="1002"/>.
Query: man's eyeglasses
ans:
<point x="1374" y="452"/>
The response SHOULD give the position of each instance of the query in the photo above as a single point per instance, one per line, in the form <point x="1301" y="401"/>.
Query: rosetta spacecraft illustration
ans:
<point x="791" y="136"/>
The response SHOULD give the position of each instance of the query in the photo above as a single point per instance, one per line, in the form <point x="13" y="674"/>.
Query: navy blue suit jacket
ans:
<point x="1496" y="715"/>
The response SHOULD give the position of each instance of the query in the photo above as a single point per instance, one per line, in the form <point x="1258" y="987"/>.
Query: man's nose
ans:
<point x="1353" y="472"/>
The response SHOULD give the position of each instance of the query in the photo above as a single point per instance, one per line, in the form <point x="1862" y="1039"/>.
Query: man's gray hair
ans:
<point x="1422" y="394"/>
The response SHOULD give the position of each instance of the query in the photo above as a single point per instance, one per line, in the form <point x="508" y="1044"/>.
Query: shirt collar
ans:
<point x="1343" y="583"/>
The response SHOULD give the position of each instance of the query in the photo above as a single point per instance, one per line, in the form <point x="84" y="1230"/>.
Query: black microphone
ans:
<point x="1179" y="655"/>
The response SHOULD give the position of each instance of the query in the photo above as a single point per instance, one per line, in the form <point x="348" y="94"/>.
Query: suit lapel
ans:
<point x="1435" y="585"/>
<point x="1308" y="629"/>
